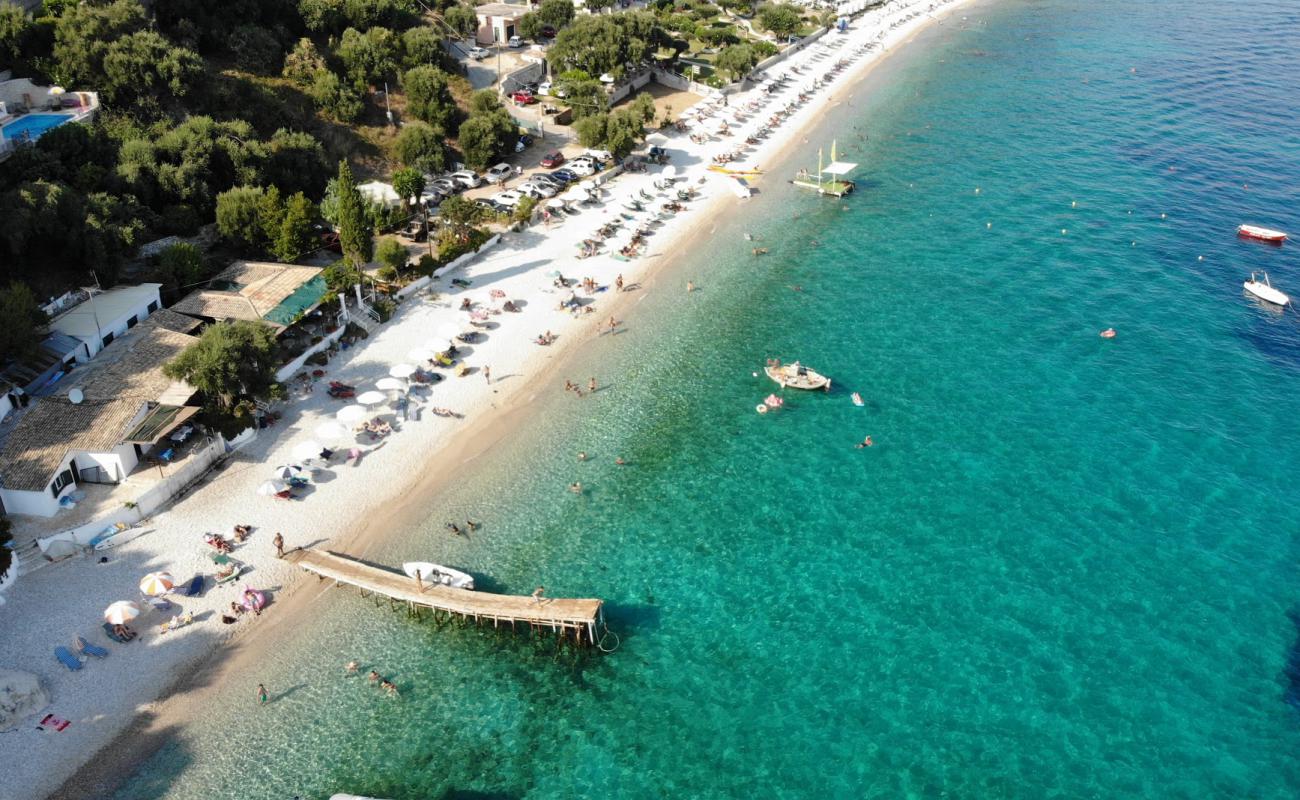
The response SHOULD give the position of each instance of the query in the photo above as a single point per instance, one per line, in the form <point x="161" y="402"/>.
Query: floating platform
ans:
<point x="835" y="188"/>
<point x="581" y="619"/>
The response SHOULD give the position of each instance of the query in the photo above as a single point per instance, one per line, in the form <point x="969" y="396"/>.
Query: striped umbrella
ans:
<point x="122" y="612"/>
<point x="156" y="583"/>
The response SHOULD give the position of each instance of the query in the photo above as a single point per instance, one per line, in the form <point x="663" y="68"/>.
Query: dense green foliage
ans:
<point x="736" y="60"/>
<point x="23" y="318"/>
<point x="428" y="96"/>
<point x="257" y="221"/>
<point x="408" y="182"/>
<point x="354" y="231"/>
<point x="231" y="361"/>
<point x="178" y="268"/>
<point x="620" y="130"/>
<point x="420" y="146"/>
<point x="782" y="19"/>
<point x="489" y="133"/>
<point x="607" y="43"/>
<point x="391" y="254"/>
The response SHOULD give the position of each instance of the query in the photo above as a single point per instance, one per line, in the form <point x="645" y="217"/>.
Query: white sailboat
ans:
<point x="1265" y="291"/>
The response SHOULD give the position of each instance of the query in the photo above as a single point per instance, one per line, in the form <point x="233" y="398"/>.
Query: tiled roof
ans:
<point x="255" y="289"/>
<point x="116" y="386"/>
<point x="166" y="318"/>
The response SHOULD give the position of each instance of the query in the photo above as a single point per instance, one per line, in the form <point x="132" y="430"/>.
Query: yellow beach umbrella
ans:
<point x="156" y="583"/>
<point x="122" y="612"/>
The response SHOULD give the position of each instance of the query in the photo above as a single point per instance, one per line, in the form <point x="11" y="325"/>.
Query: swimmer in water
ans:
<point x="1109" y="333"/>
<point x="864" y="443"/>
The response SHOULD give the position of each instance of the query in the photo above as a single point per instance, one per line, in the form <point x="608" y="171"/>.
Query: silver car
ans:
<point x="466" y="178"/>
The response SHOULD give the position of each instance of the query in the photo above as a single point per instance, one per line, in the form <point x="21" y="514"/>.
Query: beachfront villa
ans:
<point x="98" y="429"/>
<point x="27" y="110"/>
<point x="277" y="294"/>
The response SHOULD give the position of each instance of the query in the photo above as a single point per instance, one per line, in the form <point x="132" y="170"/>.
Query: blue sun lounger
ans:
<point x="88" y="649"/>
<point x="69" y="660"/>
<point x="194" y="587"/>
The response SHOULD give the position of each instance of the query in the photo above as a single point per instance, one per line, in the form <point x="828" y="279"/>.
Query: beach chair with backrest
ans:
<point x="65" y="656"/>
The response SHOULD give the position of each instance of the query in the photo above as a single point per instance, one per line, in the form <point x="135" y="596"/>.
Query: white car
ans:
<point x="499" y="173"/>
<point x="581" y="167"/>
<point x="479" y="53"/>
<point x="467" y="178"/>
<point x="544" y="87"/>
<point x="507" y="199"/>
<point x="599" y="155"/>
<point x="515" y="41"/>
<point x="538" y="188"/>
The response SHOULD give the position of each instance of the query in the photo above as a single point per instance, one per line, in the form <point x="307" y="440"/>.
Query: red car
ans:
<point x="552" y="160"/>
<point x="523" y="97"/>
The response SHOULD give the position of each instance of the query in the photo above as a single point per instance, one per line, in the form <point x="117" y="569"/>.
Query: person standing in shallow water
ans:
<point x="262" y="696"/>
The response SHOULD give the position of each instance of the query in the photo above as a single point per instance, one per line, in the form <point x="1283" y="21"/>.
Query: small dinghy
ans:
<point x="432" y="573"/>
<point x="1261" y="234"/>
<point x="797" y="376"/>
<point x="1265" y="291"/>
<point x="857" y="400"/>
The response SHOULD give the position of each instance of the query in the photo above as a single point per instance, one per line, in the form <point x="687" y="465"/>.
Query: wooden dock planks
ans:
<point x="559" y="613"/>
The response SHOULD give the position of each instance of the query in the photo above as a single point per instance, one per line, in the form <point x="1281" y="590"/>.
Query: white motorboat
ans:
<point x="1265" y="291"/>
<point x="797" y="376"/>
<point x="432" y="573"/>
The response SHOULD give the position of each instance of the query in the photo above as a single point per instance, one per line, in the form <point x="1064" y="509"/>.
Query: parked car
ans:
<point x="467" y="178"/>
<point x="548" y="32"/>
<point x="515" y="41"/>
<point x="446" y="186"/>
<point x="582" y="168"/>
<point x="479" y="53"/>
<point x="522" y="144"/>
<point x="507" y="199"/>
<point x="487" y="205"/>
<point x="499" y="173"/>
<point x="565" y="176"/>
<point x="553" y="159"/>
<point x="548" y="180"/>
<point x="539" y="189"/>
<point x="544" y="87"/>
<point x="523" y="97"/>
<point x="600" y="155"/>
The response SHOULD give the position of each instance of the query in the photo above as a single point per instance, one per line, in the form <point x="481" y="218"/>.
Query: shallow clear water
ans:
<point x="1064" y="569"/>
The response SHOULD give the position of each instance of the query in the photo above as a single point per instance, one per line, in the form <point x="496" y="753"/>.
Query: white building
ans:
<point x="105" y="316"/>
<point x="497" y="22"/>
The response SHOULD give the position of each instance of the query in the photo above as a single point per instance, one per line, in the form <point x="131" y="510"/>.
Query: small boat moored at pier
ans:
<point x="1265" y="291"/>
<point x="1261" y="234"/>
<point x="436" y="573"/>
<point x="797" y="376"/>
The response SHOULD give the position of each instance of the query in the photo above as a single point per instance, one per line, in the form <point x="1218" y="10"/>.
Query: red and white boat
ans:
<point x="1262" y="234"/>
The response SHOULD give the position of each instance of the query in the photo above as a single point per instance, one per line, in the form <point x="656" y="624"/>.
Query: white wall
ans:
<point x="40" y="503"/>
<point x="6" y="405"/>
<point x="118" y="327"/>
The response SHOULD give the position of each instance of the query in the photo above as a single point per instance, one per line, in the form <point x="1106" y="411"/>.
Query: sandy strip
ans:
<point x="125" y="706"/>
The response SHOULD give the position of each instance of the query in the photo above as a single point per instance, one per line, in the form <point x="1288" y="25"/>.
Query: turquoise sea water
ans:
<point x="1064" y="569"/>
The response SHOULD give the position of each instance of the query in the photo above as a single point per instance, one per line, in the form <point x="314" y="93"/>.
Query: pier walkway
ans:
<point x="577" y="618"/>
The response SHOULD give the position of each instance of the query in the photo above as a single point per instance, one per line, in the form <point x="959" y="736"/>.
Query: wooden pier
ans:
<point x="581" y="619"/>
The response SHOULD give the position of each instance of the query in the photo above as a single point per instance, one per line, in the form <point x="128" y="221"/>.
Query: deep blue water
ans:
<point x="1067" y="568"/>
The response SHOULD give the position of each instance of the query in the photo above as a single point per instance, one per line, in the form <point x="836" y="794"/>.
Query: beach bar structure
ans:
<point x="829" y="178"/>
<point x="581" y="620"/>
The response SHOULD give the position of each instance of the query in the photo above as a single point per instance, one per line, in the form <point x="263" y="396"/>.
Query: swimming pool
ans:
<point x="32" y="125"/>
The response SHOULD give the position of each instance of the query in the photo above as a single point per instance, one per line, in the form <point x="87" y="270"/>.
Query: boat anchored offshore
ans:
<point x="432" y="573"/>
<point x="836" y="184"/>
<point x="1262" y="234"/>
<point x="1265" y="291"/>
<point x="797" y="376"/>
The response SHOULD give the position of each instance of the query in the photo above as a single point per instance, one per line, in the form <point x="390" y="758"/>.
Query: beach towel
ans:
<point x="65" y="655"/>
<point x="195" y="586"/>
<point x="51" y="722"/>
<point x="91" y="649"/>
<point x="108" y="630"/>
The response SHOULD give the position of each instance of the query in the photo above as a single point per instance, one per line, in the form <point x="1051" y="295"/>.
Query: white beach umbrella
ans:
<point x="272" y="488"/>
<point x="669" y="171"/>
<point x="156" y="583"/>
<point x="555" y="203"/>
<point x="371" y="398"/>
<point x="422" y="354"/>
<point x="331" y="431"/>
<point x="307" y="450"/>
<point x="449" y="330"/>
<point x="401" y="370"/>
<point x="390" y="385"/>
<point x="288" y="471"/>
<point x="121" y="612"/>
<point x="351" y="414"/>
<point x="589" y="185"/>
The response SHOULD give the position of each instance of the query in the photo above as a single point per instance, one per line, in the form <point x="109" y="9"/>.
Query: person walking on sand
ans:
<point x="262" y="696"/>
<point x="537" y="594"/>
<point x="487" y="374"/>
<point x="278" y="541"/>
<point x="591" y="385"/>
<point x="618" y="282"/>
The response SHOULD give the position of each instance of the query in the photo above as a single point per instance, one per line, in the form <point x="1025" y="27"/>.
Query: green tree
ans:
<point x="179" y="266"/>
<point x="601" y="43"/>
<point x="335" y="97"/>
<point x="524" y="208"/>
<point x="428" y="97"/>
<point x="485" y="137"/>
<point x="303" y="62"/>
<point x="231" y="361"/>
<point x="391" y="254"/>
<point x="421" y="46"/>
<point x="484" y="101"/>
<point x="145" y="64"/>
<point x="717" y="35"/>
<point x="15" y="33"/>
<point x="255" y="49"/>
<point x="20" y="335"/>
<point x="84" y="33"/>
<point x="736" y="60"/>
<point x="420" y="146"/>
<point x="354" y="232"/>
<point x="408" y="182"/>
<point x="239" y="217"/>
<point x="295" y="161"/>
<point x="294" y="239"/>
<point x="461" y="18"/>
<point x="556" y="13"/>
<point x="530" y="26"/>
<point x="461" y="216"/>
<point x="371" y="57"/>
<point x="585" y="97"/>
<point x="782" y="19"/>
<point x="270" y="214"/>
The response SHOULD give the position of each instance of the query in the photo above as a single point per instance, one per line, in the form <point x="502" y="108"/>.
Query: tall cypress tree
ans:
<point x="354" y="233"/>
